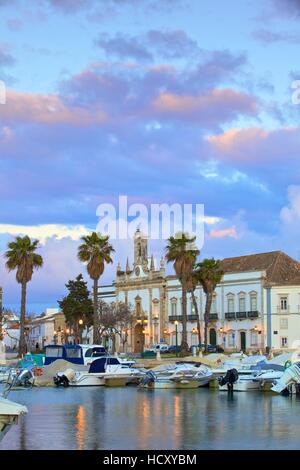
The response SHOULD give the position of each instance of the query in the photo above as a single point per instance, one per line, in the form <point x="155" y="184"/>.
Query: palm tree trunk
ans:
<point x="206" y="317"/>
<point x="198" y="319"/>
<point x="22" y="345"/>
<point x="95" y="316"/>
<point x="184" y="343"/>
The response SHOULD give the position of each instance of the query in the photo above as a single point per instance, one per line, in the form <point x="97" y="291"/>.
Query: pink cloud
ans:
<point x="255" y="145"/>
<point x="213" y="106"/>
<point x="47" y="109"/>
<point x="227" y="232"/>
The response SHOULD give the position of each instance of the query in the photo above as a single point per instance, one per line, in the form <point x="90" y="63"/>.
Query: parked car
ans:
<point x="161" y="347"/>
<point x="210" y="348"/>
<point x="174" y="349"/>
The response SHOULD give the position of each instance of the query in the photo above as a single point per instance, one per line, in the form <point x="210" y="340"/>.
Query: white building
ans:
<point x="47" y="328"/>
<point x="11" y="330"/>
<point x="255" y="306"/>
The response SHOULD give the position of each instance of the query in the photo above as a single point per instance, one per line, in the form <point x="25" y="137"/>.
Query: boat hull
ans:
<point x="242" y="386"/>
<point x="169" y="384"/>
<point x="116" y="381"/>
<point x="87" y="380"/>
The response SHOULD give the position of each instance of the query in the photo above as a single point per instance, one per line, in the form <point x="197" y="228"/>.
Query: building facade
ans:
<point x="256" y="305"/>
<point x="48" y="328"/>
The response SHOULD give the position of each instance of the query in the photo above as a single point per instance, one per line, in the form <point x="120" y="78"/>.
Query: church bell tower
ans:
<point x="140" y="250"/>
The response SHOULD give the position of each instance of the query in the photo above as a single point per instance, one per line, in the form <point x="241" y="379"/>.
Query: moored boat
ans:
<point x="109" y="371"/>
<point x="9" y="414"/>
<point x="289" y="382"/>
<point x="180" y="377"/>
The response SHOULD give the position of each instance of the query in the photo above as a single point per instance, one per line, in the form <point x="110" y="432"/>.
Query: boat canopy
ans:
<point x="99" y="364"/>
<point x="69" y="352"/>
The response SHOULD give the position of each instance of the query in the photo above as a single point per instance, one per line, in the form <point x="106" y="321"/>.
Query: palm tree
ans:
<point x="21" y="255"/>
<point x="209" y="273"/>
<point x="192" y="285"/>
<point x="183" y="253"/>
<point x="95" y="251"/>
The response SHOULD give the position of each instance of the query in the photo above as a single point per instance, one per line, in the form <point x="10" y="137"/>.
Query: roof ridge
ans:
<point x="275" y="264"/>
<point x="256" y="254"/>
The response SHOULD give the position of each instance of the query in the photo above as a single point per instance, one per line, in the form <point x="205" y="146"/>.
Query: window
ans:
<point x="155" y="303"/>
<point x="242" y="303"/>
<point x="230" y="303"/>
<point x="284" y="323"/>
<point x="254" y="338"/>
<point x="95" y="352"/>
<point x="214" y="304"/>
<point x="231" y="339"/>
<point x="253" y="302"/>
<point x="54" y="352"/>
<point x="174" y="307"/>
<point x="73" y="353"/>
<point x="283" y="303"/>
<point x="138" y="308"/>
<point x="284" y="342"/>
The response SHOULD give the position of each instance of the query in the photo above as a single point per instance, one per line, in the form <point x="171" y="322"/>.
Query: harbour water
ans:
<point x="128" y="418"/>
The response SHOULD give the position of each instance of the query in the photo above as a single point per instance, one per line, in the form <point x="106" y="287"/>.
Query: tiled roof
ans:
<point x="280" y="268"/>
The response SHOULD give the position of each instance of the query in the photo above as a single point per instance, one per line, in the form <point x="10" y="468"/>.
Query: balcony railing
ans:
<point x="179" y="318"/>
<point x="175" y="317"/>
<point x="283" y="311"/>
<point x="241" y="315"/>
<point x="253" y="314"/>
<point x="230" y="315"/>
<point x="192" y="317"/>
<point x="213" y="316"/>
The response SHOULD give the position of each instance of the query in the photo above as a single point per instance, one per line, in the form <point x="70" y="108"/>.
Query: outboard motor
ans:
<point x="24" y="379"/>
<point x="289" y="382"/>
<point x="230" y="378"/>
<point x="62" y="379"/>
<point x="148" y="378"/>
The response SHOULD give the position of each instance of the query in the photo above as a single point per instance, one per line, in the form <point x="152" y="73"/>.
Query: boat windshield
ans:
<point x="73" y="353"/>
<point x="54" y="352"/>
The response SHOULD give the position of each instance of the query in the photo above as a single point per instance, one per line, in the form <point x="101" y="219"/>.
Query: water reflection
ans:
<point x="100" y="418"/>
<point x="80" y="427"/>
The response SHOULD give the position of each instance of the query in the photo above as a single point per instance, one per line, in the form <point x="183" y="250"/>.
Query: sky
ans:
<point x="165" y="101"/>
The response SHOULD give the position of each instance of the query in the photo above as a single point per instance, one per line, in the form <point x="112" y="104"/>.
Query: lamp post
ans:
<point x="176" y="336"/>
<point x="80" y="323"/>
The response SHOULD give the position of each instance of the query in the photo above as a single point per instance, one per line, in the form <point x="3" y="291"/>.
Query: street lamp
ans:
<point x="176" y="336"/>
<point x="80" y="323"/>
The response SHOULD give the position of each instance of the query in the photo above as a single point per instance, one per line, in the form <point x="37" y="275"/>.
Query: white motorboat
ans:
<point x="108" y="371"/>
<point x="257" y="378"/>
<point x="181" y="376"/>
<point x="9" y="414"/>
